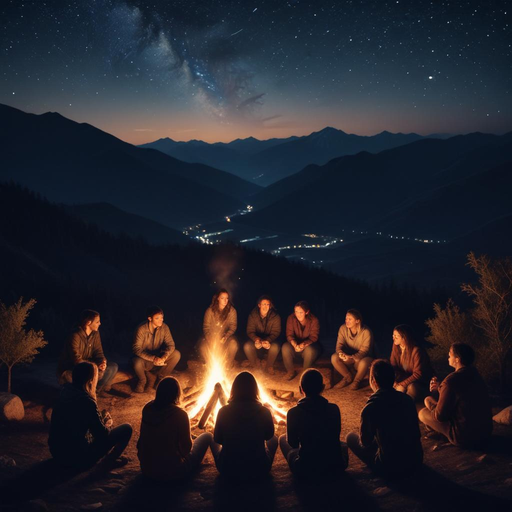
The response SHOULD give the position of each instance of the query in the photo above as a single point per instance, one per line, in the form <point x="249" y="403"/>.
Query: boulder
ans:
<point x="11" y="407"/>
<point x="504" y="417"/>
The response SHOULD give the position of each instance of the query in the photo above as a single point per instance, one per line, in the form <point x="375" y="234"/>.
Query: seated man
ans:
<point x="263" y="329"/>
<point x="389" y="439"/>
<point x="463" y="412"/>
<point x="153" y="347"/>
<point x="312" y="444"/>
<point x="84" y="344"/>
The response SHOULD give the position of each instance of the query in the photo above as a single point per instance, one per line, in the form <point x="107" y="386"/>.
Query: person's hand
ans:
<point x="430" y="403"/>
<point x="102" y="366"/>
<point x="434" y="384"/>
<point x="400" y="388"/>
<point x="265" y="345"/>
<point x="223" y="340"/>
<point x="342" y="356"/>
<point x="159" y="361"/>
<point x="257" y="344"/>
<point x="293" y="343"/>
<point x="299" y="348"/>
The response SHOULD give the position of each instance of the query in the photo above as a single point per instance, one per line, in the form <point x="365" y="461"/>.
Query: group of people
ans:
<point x="244" y="443"/>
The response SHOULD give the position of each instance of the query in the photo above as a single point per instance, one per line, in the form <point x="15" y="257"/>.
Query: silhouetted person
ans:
<point x="245" y="431"/>
<point x="312" y="444"/>
<point x="155" y="354"/>
<point x="165" y="448"/>
<point x="411" y="363"/>
<point x="354" y="350"/>
<point x="263" y="329"/>
<point x="302" y="332"/>
<point x="84" y="344"/>
<point x="463" y="412"/>
<point x="78" y="437"/>
<point x="219" y="327"/>
<point x="389" y="439"/>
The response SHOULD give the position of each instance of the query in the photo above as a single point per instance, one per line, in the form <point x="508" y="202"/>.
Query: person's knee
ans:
<point x="113" y="367"/>
<point x="352" y="439"/>
<point x="248" y="346"/>
<point x="138" y="363"/>
<point x="176" y="355"/>
<point x="334" y="359"/>
<point x="424" y="415"/>
<point x="287" y="349"/>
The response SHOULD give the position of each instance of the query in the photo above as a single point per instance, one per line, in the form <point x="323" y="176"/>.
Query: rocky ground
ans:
<point x="452" y="479"/>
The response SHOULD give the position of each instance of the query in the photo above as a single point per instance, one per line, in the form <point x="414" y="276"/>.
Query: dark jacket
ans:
<point x="306" y="334"/>
<point x="213" y="327"/>
<point x="147" y="345"/>
<point x="268" y="328"/>
<point x="411" y="366"/>
<point x="242" y="428"/>
<point x="79" y="347"/>
<point x="464" y="402"/>
<point x="164" y="441"/>
<point x="74" y="415"/>
<point x="389" y="424"/>
<point x="314" y="426"/>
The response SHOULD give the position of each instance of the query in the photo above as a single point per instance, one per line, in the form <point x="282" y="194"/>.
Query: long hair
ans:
<point x="168" y="392"/>
<point x="85" y="377"/>
<point x="407" y="334"/>
<point x="86" y="316"/>
<point x="222" y="315"/>
<point x="244" y="388"/>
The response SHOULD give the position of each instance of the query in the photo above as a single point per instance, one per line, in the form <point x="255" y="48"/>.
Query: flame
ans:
<point x="216" y="371"/>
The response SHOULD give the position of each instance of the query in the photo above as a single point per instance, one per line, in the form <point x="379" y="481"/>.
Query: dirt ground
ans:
<point x="451" y="479"/>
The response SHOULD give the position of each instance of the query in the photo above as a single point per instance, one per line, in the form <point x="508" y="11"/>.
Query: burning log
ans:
<point x="275" y="412"/>
<point x="192" y="396"/>
<point x="210" y="406"/>
<point x="222" y="396"/>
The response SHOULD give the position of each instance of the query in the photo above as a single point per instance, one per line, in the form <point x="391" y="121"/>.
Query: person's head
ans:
<point x="403" y="336"/>
<point x="460" y="354"/>
<point x="353" y="319"/>
<point x="168" y="392"/>
<point x="301" y="310"/>
<point x="265" y="304"/>
<point x="220" y="300"/>
<point x="311" y="382"/>
<point x="89" y="319"/>
<point x="155" y="315"/>
<point x="382" y="375"/>
<point x="85" y="376"/>
<point x="244" y="388"/>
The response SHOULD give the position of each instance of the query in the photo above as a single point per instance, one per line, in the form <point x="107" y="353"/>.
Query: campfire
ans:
<point x="203" y="404"/>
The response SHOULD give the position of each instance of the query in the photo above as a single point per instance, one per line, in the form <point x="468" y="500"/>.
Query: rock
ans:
<point x="92" y="506"/>
<point x="504" y="417"/>
<point x="11" y="407"/>
<point x="36" y="506"/>
<point x="7" y="462"/>
<point x="112" y="488"/>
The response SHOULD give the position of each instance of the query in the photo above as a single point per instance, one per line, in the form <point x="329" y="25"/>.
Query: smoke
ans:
<point x="225" y="267"/>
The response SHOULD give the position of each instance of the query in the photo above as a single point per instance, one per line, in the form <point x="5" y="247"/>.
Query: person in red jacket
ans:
<point x="411" y="362"/>
<point x="302" y="332"/>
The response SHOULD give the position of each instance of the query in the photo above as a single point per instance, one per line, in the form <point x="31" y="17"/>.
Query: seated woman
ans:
<point x="165" y="448"/>
<point x="302" y="332"/>
<point x="411" y="364"/>
<point x="263" y="329"/>
<point x="354" y="350"/>
<point x="219" y="326"/>
<point x="245" y="429"/>
<point x="78" y="437"/>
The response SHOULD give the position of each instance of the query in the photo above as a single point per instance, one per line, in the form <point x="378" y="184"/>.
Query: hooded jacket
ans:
<point x="164" y="441"/>
<point x="314" y="426"/>
<point x="268" y="328"/>
<point x="242" y="427"/>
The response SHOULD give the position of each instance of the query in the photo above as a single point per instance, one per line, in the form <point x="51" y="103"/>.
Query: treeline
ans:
<point x="68" y="265"/>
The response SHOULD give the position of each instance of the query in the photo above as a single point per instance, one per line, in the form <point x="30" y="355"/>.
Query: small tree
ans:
<point x="16" y="344"/>
<point x="493" y="307"/>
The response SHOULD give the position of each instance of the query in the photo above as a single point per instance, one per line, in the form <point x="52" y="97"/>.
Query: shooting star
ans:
<point x="236" y="33"/>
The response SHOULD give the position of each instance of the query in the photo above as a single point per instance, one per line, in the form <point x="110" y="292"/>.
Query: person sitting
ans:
<point x="389" y="439"/>
<point x="302" y="332"/>
<point x="75" y="420"/>
<point x="263" y="329"/>
<point x="312" y="444"/>
<point x="219" y="327"/>
<point x="155" y="354"/>
<point x="463" y="412"/>
<point x="354" y="350"/>
<point x="244" y="442"/>
<point x="411" y="363"/>
<point x="165" y="448"/>
<point x="84" y="344"/>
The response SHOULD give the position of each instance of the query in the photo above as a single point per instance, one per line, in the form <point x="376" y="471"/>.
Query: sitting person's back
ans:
<point x="312" y="444"/>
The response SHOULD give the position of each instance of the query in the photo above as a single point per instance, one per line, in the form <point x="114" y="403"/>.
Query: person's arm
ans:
<point x="168" y="345"/>
<point x="292" y="432"/>
<point x="231" y="324"/>
<point x="340" y="341"/>
<point x="290" y="332"/>
<point x="97" y="350"/>
<point x="268" y="424"/>
<point x="207" y="323"/>
<point x="445" y="408"/>
<point x="274" y="328"/>
<point x="251" y="327"/>
<point x="366" y="342"/>
<point x="138" y="345"/>
<point x="75" y="348"/>
<point x="184" y="437"/>
<point x="419" y="367"/>
<point x="96" y="426"/>
<point x="314" y="332"/>
<point x="367" y="428"/>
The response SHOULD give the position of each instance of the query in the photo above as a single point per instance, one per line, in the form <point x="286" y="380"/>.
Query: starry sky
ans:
<point x="217" y="70"/>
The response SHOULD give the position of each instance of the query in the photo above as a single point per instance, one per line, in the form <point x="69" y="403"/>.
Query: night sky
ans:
<point x="220" y="69"/>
